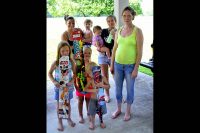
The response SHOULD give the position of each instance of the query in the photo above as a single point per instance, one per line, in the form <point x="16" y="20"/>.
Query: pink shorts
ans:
<point x="88" y="95"/>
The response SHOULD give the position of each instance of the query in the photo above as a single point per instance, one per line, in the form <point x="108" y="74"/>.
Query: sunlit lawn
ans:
<point x="145" y="70"/>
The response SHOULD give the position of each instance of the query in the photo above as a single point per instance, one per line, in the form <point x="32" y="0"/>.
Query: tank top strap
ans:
<point x="135" y="29"/>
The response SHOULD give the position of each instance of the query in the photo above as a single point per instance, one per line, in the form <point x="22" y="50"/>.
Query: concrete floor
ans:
<point x="142" y="108"/>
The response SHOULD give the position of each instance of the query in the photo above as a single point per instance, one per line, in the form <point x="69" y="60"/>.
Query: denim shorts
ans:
<point x="92" y="107"/>
<point x="103" y="59"/>
<point x="56" y="96"/>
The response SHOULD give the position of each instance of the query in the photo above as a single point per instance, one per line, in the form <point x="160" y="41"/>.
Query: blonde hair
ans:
<point x="87" y="48"/>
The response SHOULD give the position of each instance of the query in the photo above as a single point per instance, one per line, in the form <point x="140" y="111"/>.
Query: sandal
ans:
<point x="82" y="121"/>
<point x="92" y="128"/>
<point x="71" y="123"/>
<point x="127" y="118"/>
<point x="60" y="129"/>
<point x="116" y="114"/>
<point x="102" y="125"/>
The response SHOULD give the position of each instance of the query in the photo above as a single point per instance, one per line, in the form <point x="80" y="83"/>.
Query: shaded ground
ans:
<point x="142" y="118"/>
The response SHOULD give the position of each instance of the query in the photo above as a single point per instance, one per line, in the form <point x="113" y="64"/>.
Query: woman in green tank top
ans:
<point x="126" y="57"/>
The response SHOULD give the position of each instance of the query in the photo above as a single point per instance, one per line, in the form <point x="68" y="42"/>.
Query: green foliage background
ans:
<point x="85" y="8"/>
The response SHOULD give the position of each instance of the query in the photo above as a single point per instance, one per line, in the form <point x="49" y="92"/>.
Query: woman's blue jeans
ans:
<point x="121" y="72"/>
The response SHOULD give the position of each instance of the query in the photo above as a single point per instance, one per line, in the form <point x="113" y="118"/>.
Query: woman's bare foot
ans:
<point x="71" y="123"/>
<point x="116" y="114"/>
<point x="127" y="117"/>
<point x="102" y="125"/>
<point x="60" y="126"/>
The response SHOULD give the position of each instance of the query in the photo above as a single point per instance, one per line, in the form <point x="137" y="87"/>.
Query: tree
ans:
<point x="136" y="5"/>
<point x="58" y="8"/>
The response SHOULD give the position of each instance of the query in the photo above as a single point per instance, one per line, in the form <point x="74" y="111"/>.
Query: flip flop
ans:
<point x="82" y="121"/>
<point x="127" y="119"/>
<point x="71" y="123"/>
<point x="92" y="128"/>
<point x="115" y="115"/>
<point x="103" y="126"/>
<point x="60" y="129"/>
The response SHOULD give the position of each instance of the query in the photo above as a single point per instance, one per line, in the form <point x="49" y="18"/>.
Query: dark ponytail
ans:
<point x="67" y="17"/>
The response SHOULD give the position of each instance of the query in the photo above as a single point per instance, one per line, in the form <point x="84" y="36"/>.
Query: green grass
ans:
<point x="145" y="70"/>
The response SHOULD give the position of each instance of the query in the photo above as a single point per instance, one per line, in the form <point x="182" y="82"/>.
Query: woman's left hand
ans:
<point x="134" y="73"/>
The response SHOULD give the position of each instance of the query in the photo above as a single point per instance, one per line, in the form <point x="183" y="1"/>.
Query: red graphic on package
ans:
<point x="76" y="35"/>
<point x="97" y="74"/>
<point x="64" y="67"/>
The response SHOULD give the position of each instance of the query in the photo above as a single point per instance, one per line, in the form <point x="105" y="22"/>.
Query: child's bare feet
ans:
<point x="81" y="120"/>
<point x="60" y="126"/>
<point x="91" y="127"/>
<point x="60" y="129"/>
<point x="71" y="123"/>
<point x="102" y="125"/>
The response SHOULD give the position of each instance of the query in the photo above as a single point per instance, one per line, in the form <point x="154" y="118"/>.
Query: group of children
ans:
<point x="95" y="81"/>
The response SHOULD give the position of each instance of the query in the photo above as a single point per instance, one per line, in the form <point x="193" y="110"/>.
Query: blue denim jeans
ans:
<point x="121" y="72"/>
